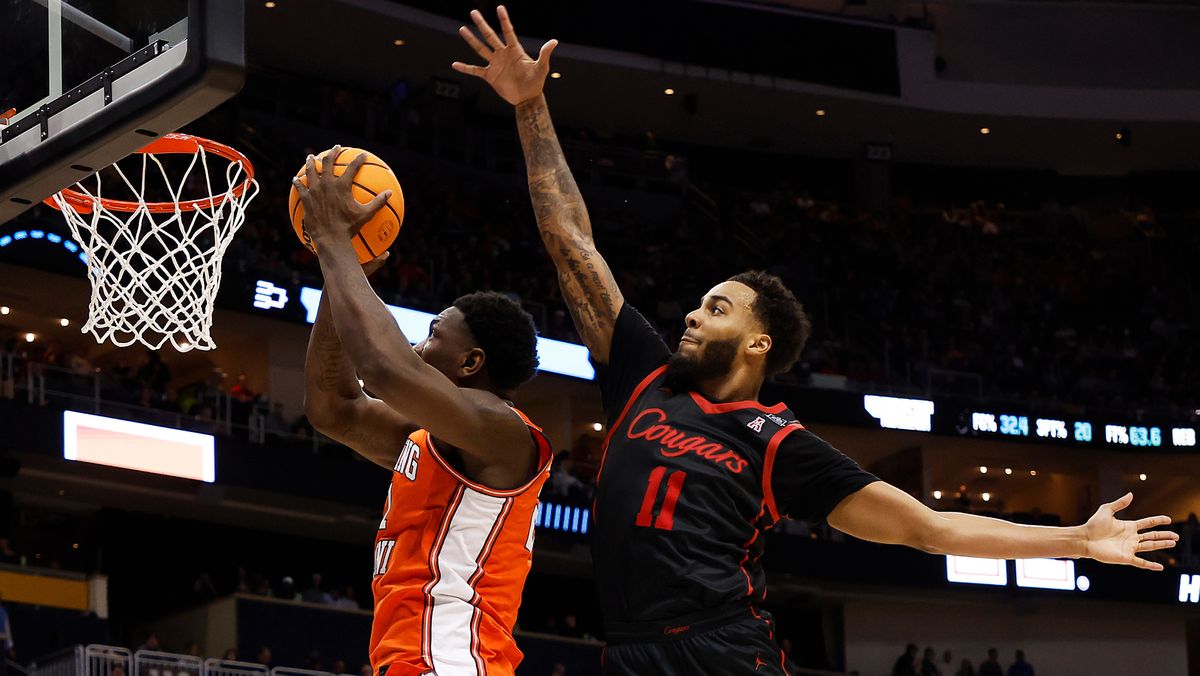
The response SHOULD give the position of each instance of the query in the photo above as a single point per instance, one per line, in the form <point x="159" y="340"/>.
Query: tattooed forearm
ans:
<point x="587" y="283"/>
<point x="327" y="370"/>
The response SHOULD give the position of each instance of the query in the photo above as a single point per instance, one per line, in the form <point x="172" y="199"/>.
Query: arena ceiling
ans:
<point x="615" y="92"/>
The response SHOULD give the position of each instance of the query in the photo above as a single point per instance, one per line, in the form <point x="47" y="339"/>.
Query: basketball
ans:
<point x="373" y="178"/>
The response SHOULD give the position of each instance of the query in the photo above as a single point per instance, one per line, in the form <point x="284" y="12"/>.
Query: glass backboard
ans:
<point x="84" y="83"/>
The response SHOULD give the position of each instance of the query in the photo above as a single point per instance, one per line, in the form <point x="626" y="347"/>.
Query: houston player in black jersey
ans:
<point x="695" y="468"/>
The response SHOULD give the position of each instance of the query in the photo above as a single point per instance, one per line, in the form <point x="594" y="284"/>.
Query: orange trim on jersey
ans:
<point x="435" y="574"/>
<point x="769" y="466"/>
<point x="545" y="456"/>
<point x="709" y="407"/>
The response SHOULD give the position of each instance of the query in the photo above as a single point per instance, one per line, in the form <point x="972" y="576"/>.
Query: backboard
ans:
<point x="84" y="83"/>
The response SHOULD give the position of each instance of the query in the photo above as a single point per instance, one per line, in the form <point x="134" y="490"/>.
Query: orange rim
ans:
<point x="178" y="144"/>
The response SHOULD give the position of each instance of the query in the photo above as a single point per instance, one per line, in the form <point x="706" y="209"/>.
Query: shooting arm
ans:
<point x="478" y="423"/>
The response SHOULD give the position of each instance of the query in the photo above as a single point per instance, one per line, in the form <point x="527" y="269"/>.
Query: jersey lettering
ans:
<point x="383" y="556"/>
<point x="651" y="425"/>
<point x="757" y="424"/>
<point x="406" y="464"/>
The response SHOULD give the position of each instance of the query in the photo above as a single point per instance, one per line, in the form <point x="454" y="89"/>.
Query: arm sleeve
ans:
<point x="636" y="350"/>
<point x="809" y="478"/>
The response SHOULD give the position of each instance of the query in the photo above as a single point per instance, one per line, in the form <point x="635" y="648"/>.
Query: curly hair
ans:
<point x="505" y="332"/>
<point x="782" y="317"/>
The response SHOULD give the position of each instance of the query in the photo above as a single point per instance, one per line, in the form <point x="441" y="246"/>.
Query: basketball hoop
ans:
<point x="155" y="266"/>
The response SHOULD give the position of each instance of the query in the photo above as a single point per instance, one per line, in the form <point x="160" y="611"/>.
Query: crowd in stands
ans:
<point x="928" y="663"/>
<point x="1069" y="303"/>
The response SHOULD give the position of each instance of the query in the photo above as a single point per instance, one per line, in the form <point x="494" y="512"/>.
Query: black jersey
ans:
<point x="687" y="487"/>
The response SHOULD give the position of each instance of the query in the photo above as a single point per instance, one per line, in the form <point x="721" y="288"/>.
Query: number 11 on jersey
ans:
<point x="666" y="514"/>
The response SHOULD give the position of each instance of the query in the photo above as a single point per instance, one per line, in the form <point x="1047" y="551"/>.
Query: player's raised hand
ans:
<point x="331" y="212"/>
<point x="510" y="70"/>
<point x="1112" y="540"/>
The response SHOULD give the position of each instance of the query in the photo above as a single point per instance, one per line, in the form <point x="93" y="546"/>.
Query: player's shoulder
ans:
<point x="768" y="425"/>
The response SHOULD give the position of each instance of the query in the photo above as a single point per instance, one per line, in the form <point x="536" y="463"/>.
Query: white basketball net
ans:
<point x="155" y="276"/>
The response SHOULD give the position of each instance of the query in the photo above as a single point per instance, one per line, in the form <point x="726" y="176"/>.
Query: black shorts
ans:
<point x="743" y="644"/>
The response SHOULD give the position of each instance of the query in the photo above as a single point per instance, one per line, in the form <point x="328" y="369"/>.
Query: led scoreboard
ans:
<point x="1004" y="424"/>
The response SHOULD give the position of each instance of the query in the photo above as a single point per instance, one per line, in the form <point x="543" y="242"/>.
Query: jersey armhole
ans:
<point x="545" y="457"/>
<point x="768" y="490"/>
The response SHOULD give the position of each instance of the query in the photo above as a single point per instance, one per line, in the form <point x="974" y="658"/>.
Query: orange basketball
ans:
<point x="373" y="178"/>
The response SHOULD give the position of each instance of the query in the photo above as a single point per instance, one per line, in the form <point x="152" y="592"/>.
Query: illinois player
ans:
<point x="453" y="547"/>
<point x="695" y="468"/>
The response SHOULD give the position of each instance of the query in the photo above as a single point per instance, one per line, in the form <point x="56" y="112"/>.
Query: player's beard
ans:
<point x="685" y="372"/>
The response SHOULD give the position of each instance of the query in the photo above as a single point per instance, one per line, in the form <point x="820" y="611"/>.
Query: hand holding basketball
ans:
<point x="331" y="212"/>
<point x="515" y="76"/>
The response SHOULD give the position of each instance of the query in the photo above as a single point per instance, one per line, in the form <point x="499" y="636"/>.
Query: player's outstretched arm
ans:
<point x="883" y="513"/>
<point x="336" y="404"/>
<point x="478" y="423"/>
<point x="586" y="281"/>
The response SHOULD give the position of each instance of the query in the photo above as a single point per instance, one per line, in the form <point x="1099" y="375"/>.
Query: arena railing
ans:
<point x="66" y="662"/>
<point x="216" y="667"/>
<point x="40" y="384"/>
<point x="156" y="663"/>
<point x="288" y="671"/>
<point x="107" y="660"/>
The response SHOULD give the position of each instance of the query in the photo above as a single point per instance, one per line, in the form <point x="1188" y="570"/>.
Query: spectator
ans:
<point x="276" y="423"/>
<point x="6" y="633"/>
<point x="230" y="655"/>
<point x="150" y="642"/>
<point x="339" y="667"/>
<point x="314" y="593"/>
<point x="559" y="669"/>
<point x="991" y="666"/>
<point x="965" y="669"/>
<point x="287" y="589"/>
<point x="203" y="588"/>
<point x="947" y="666"/>
<point x="929" y="665"/>
<point x="264" y="656"/>
<point x="193" y="649"/>
<point x="1020" y="667"/>
<point x="365" y="670"/>
<point x="347" y="600"/>
<point x="562" y="482"/>
<point x="153" y="373"/>
<point x="906" y="664"/>
<point x="9" y="555"/>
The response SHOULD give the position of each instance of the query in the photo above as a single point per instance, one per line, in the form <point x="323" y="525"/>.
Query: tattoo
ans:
<point x="328" y="368"/>
<point x="587" y="283"/>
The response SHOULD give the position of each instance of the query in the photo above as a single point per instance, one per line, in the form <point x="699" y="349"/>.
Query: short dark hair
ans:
<point x="782" y="317"/>
<point x="505" y="332"/>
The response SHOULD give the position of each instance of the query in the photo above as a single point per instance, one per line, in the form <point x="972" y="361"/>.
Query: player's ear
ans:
<point x="472" y="363"/>
<point x="760" y="344"/>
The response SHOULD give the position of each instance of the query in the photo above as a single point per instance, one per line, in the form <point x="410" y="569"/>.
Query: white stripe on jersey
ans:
<point x="451" y="622"/>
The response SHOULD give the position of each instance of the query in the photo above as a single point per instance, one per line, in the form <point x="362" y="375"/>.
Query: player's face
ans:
<point x="716" y="332"/>
<point x="448" y="343"/>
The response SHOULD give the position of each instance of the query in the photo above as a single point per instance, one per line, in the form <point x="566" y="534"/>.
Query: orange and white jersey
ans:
<point x="451" y="559"/>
